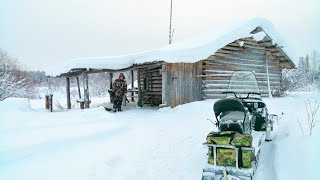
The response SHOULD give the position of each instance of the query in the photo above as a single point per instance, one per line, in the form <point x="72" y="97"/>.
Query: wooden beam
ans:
<point x="278" y="54"/>
<point x="86" y="90"/>
<point x="110" y="79"/>
<point x="255" y="31"/>
<point x="254" y="43"/>
<point x="249" y="40"/>
<point x="132" y="86"/>
<point x="265" y="41"/>
<point x="220" y="54"/>
<point x="232" y="48"/>
<point x="212" y="75"/>
<point x="150" y="66"/>
<point x="139" y="88"/>
<point x="163" y="84"/>
<point x="224" y="51"/>
<point x="68" y="92"/>
<point x="78" y="84"/>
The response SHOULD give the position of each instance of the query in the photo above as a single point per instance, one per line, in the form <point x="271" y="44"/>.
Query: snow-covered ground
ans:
<point x="140" y="143"/>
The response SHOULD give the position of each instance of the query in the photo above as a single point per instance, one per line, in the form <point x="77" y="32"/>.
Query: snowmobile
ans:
<point x="244" y="124"/>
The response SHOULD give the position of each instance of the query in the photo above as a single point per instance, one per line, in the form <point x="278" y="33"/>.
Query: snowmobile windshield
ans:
<point x="243" y="84"/>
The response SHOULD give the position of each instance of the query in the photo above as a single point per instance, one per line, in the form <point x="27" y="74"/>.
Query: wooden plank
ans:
<point x="225" y="86"/>
<point x="68" y="92"/>
<point x="257" y="70"/>
<point x="228" y="57"/>
<point x="212" y="75"/>
<point x="236" y="63"/>
<point x="139" y="87"/>
<point x="208" y="82"/>
<point x="132" y="86"/>
<point x="207" y="69"/>
<point x="110" y="79"/>
<point x="224" y="51"/>
<point x="232" y="48"/>
<point x="231" y="72"/>
<point x="164" y="84"/>
<point x="219" y="91"/>
<point x="153" y="93"/>
<point x="260" y="78"/>
<point x="78" y="85"/>
<point x="86" y="90"/>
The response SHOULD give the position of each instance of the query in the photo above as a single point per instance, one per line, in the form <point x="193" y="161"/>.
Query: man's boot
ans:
<point x="114" y="108"/>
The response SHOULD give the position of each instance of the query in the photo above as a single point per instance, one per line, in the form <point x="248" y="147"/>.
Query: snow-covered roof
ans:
<point x="188" y="51"/>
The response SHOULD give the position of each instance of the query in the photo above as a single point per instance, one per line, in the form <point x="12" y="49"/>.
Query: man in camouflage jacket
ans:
<point x="119" y="88"/>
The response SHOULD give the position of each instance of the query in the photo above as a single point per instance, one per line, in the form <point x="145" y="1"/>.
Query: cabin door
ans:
<point x="181" y="86"/>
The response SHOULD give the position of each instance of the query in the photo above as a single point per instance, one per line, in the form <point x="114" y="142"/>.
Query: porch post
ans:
<point x="132" y="86"/>
<point x="86" y="90"/>
<point x="68" y="92"/>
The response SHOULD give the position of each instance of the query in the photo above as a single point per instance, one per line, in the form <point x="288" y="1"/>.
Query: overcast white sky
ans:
<point x="41" y="33"/>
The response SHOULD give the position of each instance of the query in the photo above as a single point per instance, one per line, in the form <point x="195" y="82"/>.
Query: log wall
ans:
<point x="217" y="70"/>
<point x="151" y="84"/>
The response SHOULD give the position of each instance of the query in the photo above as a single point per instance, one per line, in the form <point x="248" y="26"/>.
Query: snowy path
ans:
<point x="135" y="144"/>
<point x="266" y="169"/>
<point x="95" y="144"/>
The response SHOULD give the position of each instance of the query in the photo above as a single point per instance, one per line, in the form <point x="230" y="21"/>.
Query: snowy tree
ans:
<point x="306" y="75"/>
<point x="13" y="81"/>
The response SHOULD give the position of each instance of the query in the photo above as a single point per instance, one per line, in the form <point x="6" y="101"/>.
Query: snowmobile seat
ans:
<point x="230" y="114"/>
<point x="232" y="120"/>
<point x="228" y="104"/>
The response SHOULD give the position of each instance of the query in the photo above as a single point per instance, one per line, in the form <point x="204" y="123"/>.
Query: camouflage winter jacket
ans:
<point x="119" y="87"/>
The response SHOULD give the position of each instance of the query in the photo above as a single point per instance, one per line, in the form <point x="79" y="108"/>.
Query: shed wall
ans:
<point x="180" y="86"/>
<point x="219" y="68"/>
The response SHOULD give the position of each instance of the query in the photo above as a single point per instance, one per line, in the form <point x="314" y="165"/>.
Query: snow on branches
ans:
<point x="14" y="82"/>
<point x="305" y="77"/>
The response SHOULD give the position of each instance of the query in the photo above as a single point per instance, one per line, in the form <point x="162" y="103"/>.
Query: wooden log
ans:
<point x="163" y="85"/>
<point x="110" y="79"/>
<point x="139" y="88"/>
<point x="224" y="51"/>
<point x="132" y="86"/>
<point x="207" y="69"/>
<point x="211" y="75"/>
<point x="232" y="48"/>
<point x="68" y="92"/>
<point x="78" y="85"/>
<point x="86" y="90"/>
<point x="47" y="101"/>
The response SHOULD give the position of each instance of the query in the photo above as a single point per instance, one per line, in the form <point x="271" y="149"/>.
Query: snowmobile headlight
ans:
<point x="255" y="105"/>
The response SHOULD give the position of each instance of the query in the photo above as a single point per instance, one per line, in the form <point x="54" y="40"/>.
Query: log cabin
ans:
<point x="192" y="71"/>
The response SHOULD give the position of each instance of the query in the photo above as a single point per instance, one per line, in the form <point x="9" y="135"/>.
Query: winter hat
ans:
<point x="122" y="75"/>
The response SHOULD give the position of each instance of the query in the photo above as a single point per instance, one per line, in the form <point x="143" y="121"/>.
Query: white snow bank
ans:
<point x="186" y="51"/>
<point x="135" y="84"/>
<point x="294" y="155"/>
<point x="144" y="143"/>
<point x="15" y="104"/>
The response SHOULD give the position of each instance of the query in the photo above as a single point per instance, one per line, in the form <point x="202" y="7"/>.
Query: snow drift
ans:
<point x="15" y="105"/>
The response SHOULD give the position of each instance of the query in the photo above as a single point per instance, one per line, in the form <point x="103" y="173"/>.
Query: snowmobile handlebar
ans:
<point x="235" y="93"/>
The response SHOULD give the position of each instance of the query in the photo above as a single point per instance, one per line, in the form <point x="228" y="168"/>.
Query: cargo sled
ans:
<point x="244" y="124"/>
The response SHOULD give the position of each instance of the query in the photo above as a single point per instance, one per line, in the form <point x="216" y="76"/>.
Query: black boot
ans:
<point x="119" y="109"/>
